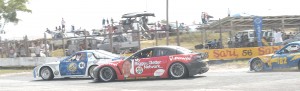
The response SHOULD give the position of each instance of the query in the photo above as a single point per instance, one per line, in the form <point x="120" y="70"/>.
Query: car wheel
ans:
<point x="106" y="74"/>
<point x="177" y="70"/>
<point x="91" y="73"/>
<point x="46" y="73"/>
<point x="257" y="65"/>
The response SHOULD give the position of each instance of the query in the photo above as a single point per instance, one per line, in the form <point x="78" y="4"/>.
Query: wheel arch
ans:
<point x="252" y="59"/>
<point x="115" y="68"/>
<point x="88" y="70"/>
<point x="45" y="67"/>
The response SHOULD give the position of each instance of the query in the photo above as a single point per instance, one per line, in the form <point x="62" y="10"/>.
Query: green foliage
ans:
<point x="10" y="8"/>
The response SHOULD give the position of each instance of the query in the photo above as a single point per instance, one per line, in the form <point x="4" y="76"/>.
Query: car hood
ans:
<point x="53" y="63"/>
<point x="109" y="62"/>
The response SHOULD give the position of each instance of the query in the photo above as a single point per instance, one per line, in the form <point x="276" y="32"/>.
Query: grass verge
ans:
<point x="8" y="71"/>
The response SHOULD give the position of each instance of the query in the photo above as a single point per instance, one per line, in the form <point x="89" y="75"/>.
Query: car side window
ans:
<point x="77" y="57"/>
<point x="164" y="52"/>
<point x="293" y="48"/>
<point x="161" y="52"/>
<point x="143" y="54"/>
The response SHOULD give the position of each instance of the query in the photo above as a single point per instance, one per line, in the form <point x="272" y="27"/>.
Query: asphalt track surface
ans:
<point x="215" y="80"/>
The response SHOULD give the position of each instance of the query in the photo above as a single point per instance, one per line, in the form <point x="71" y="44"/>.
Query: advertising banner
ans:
<point x="257" y="22"/>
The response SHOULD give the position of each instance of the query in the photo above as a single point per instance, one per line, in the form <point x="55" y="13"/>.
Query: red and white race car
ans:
<point x="155" y="62"/>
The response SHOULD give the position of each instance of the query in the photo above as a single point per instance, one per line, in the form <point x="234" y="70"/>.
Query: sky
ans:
<point x="88" y="14"/>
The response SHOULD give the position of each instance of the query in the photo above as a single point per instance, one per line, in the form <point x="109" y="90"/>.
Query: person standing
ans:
<point x="278" y="38"/>
<point x="11" y="52"/>
<point x="37" y="49"/>
<point x="63" y="24"/>
<point x="22" y="51"/>
<point x="203" y="18"/>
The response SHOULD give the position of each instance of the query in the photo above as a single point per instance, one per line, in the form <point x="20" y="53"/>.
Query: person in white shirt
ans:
<point x="278" y="38"/>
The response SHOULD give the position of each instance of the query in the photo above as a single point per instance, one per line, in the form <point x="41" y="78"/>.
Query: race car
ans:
<point x="286" y="57"/>
<point x="155" y="62"/>
<point x="79" y="64"/>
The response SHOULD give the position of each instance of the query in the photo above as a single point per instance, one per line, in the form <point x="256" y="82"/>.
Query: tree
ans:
<point x="9" y="10"/>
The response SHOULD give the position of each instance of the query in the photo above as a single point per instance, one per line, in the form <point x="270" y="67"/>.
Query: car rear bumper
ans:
<point x="197" y="67"/>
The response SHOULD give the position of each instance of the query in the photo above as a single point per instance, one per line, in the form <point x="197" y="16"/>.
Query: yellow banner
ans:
<point x="239" y="53"/>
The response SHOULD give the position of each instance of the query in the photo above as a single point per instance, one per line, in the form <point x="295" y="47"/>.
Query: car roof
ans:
<point x="295" y="42"/>
<point x="171" y="47"/>
<point x="88" y="51"/>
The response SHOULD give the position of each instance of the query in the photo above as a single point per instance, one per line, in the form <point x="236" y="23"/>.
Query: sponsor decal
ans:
<point x="159" y="72"/>
<point x="55" y="72"/>
<point x="81" y="65"/>
<point x="126" y="69"/>
<point x="172" y="58"/>
<point x="149" y="64"/>
<point x="72" y="67"/>
<point x="139" y="70"/>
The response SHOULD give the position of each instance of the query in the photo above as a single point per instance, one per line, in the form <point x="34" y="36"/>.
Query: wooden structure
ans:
<point x="246" y="22"/>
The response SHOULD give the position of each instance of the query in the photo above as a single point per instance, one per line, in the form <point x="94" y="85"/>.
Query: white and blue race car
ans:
<point x="79" y="64"/>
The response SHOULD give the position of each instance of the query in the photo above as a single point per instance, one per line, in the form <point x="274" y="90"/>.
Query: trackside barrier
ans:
<point x="239" y="53"/>
<point x="26" y="61"/>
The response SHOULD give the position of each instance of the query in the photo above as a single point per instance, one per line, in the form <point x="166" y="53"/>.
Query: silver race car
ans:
<point x="79" y="64"/>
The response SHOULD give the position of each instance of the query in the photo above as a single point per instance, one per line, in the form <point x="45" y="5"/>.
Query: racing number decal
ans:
<point x="282" y="60"/>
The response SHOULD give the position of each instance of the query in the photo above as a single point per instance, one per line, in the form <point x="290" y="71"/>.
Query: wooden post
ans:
<point x="45" y="45"/>
<point x="110" y="39"/>
<point x="282" y="24"/>
<point x="1" y="45"/>
<point x="139" y="37"/>
<point x="221" y="39"/>
<point x="177" y="33"/>
<point x="156" y="43"/>
<point x="6" y="48"/>
<point x="64" y="49"/>
<point x="26" y="45"/>
<point x="167" y="20"/>
<point x="85" y="40"/>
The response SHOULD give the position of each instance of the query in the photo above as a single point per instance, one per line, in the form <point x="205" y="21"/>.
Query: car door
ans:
<point x="161" y="60"/>
<point x="137" y="65"/>
<point x="74" y="65"/>
<point x="285" y="57"/>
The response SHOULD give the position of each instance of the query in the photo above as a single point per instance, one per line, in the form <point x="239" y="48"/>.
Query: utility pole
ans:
<point x="167" y="20"/>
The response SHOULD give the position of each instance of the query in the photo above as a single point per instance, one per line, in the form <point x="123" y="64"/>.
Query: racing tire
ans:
<point x="91" y="73"/>
<point x="257" y="65"/>
<point x="106" y="74"/>
<point x="177" y="70"/>
<point x="46" y="73"/>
